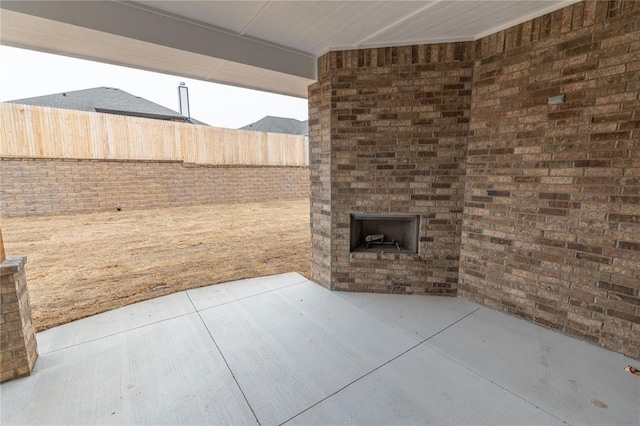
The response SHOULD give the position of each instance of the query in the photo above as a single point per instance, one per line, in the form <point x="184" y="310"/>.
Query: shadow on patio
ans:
<point x="282" y="350"/>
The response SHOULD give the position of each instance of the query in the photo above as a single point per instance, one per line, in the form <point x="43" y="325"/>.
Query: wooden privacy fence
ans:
<point x="42" y="132"/>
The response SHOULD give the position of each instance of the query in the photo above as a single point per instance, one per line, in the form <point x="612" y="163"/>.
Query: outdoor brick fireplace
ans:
<point x="378" y="233"/>
<point x="389" y="129"/>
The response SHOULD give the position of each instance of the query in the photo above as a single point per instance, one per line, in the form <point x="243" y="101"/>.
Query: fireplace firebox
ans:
<point x="391" y="233"/>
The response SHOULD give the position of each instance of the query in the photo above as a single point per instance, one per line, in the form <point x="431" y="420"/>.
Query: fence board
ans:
<point x="42" y="132"/>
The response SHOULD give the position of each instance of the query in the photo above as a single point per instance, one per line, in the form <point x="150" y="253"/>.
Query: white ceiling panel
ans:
<point x="442" y="21"/>
<point x="316" y="27"/>
<point x="462" y="20"/>
<point x="323" y="26"/>
<point x="266" y="45"/>
<point x="231" y="15"/>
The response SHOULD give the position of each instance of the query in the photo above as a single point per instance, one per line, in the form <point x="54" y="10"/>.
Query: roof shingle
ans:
<point x="279" y="125"/>
<point x="108" y="100"/>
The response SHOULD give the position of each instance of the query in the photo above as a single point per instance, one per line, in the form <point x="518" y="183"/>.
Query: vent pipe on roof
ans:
<point x="183" y="100"/>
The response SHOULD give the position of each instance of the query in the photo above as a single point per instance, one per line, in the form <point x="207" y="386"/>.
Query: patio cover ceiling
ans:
<point x="265" y="45"/>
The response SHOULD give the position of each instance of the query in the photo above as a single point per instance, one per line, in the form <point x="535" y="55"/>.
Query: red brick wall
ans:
<point x="552" y="204"/>
<point x="47" y="186"/>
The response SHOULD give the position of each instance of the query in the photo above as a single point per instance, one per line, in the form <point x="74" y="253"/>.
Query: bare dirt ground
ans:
<point x="85" y="264"/>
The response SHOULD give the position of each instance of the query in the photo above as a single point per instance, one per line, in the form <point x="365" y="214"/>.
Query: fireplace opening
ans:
<point x="384" y="233"/>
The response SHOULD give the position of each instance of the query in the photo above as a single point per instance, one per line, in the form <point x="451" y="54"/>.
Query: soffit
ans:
<point x="266" y="45"/>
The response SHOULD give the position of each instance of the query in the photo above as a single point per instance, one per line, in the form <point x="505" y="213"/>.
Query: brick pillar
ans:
<point x="388" y="133"/>
<point x="320" y="175"/>
<point x="18" y="347"/>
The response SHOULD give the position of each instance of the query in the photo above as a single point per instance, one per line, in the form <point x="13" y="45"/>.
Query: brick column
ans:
<point x="320" y="175"/>
<point x="388" y="133"/>
<point x="18" y="347"/>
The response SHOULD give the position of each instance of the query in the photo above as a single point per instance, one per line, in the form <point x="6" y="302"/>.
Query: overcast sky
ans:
<point x="26" y="73"/>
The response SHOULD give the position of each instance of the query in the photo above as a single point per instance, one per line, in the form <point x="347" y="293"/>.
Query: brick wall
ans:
<point x="551" y="225"/>
<point x="552" y="206"/>
<point x="48" y="186"/>
<point x="399" y="122"/>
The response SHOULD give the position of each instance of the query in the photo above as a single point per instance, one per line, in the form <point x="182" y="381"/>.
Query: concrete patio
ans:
<point x="283" y="350"/>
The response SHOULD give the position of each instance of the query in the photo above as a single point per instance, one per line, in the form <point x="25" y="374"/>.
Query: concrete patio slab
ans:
<point x="206" y="297"/>
<point x="424" y="387"/>
<point x="115" y="321"/>
<point x="169" y="372"/>
<point x="283" y="350"/>
<point x="577" y="382"/>
<point x="418" y="316"/>
<point x="315" y="345"/>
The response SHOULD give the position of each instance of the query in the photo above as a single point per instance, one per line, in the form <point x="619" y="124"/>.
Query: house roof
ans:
<point x="272" y="124"/>
<point x="108" y="100"/>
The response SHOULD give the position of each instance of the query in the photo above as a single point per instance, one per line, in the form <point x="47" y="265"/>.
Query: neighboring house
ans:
<point x="108" y="100"/>
<point x="279" y="125"/>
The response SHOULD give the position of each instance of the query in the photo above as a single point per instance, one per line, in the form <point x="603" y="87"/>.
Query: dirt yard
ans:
<point x="82" y="265"/>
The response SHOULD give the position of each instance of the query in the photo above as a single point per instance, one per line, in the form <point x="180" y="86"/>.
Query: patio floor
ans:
<point x="283" y="350"/>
